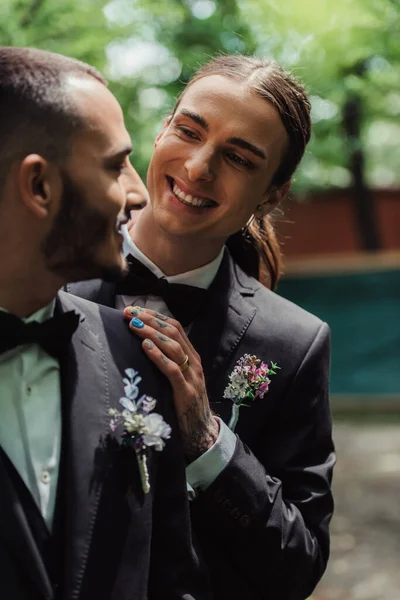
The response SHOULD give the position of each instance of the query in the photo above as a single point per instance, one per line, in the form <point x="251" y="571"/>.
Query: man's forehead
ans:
<point x="92" y="99"/>
<point x="100" y="113"/>
<point x="106" y="144"/>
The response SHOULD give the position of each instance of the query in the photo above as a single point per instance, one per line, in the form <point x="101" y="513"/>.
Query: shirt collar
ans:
<point x="41" y="315"/>
<point x="201" y="277"/>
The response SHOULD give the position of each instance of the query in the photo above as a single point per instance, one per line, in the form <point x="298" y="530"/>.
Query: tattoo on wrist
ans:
<point x="199" y="429"/>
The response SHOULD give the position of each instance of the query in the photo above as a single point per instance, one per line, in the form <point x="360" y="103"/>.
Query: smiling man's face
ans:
<point x="84" y="240"/>
<point x="215" y="159"/>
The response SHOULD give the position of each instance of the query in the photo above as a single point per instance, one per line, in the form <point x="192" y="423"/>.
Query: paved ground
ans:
<point x="365" y="533"/>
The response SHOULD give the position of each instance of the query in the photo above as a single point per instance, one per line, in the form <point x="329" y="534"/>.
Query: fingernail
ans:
<point x="148" y="344"/>
<point x="133" y="310"/>
<point x="137" y="323"/>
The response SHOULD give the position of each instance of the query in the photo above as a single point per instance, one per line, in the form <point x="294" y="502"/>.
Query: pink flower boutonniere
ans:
<point x="248" y="381"/>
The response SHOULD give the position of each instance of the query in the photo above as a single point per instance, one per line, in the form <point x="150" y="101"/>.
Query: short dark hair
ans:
<point x="38" y="114"/>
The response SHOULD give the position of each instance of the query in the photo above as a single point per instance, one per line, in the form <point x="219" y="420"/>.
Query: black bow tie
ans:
<point x="52" y="335"/>
<point x="184" y="301"/>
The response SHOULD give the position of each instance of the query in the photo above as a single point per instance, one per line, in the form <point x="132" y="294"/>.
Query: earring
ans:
<point x="249" y="222"/>
<point x="245" y="229"/>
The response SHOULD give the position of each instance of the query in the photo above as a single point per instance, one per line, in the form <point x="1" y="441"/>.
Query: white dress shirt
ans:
<point x="204" y="470"/>
<point x="30" y="423"/>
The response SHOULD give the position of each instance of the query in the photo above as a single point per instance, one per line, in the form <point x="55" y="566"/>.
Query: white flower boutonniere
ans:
<point x="248" y="381"/>
<point x="142" y="428"/>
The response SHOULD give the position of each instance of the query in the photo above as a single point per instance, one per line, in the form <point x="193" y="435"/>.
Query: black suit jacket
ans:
<point x="263" y="524"/>
<point x="110" y="538"/>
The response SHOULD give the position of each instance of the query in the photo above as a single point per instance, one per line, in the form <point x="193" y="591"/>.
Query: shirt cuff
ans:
<point x="204" y="470"/>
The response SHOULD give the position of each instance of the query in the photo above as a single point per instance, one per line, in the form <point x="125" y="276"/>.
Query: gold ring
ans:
<point x="185" y="365"/>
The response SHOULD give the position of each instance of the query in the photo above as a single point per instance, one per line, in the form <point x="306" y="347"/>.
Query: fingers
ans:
<point x="190" y="396"/>
<point x="168" y="346"/>
<point x="167" y="366"/>
<point x="165" y="325"/>
<point x="155" y="318"/>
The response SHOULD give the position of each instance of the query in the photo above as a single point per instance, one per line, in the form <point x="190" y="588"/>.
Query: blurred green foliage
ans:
<point x="148" y="49"/>
<point x="340" y="48"/>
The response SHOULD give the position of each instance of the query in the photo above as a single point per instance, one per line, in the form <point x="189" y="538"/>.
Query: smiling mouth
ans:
<point x="188" y="199"/>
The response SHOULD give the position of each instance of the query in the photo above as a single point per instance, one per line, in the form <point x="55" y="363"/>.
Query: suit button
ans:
<point x="244" y="521"/>
<point x="235" y="513"/>
<point x="227" y="505"/>
<point x="218" y="496"/>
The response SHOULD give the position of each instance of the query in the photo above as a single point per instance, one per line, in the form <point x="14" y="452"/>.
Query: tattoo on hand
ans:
<point x="164" y="359"/>
<point x="163" y="337"/>
<point x="161" y="324"/>
<point x="161" y="317"/>
<point x="197" y="434"/>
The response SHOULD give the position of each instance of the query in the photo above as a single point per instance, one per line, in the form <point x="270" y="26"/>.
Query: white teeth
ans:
<point x="188" y="199"/>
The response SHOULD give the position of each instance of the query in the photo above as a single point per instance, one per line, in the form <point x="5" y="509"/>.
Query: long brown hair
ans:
<point x="256" y="248"/>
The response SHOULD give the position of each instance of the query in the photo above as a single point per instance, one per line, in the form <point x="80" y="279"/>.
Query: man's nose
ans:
<point x="200" y="165"/>
<point x="135" y="201"/>
<point x="137" y="196"/>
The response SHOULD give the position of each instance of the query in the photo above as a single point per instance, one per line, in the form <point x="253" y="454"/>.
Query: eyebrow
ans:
<point x="195" y="117"/>
<point x="115" y="155"/>
<point x="247" y="146"/>
<point x="236" y="141"/>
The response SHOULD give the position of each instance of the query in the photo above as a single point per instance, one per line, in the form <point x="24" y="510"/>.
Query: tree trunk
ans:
<point x="363" y="202"/>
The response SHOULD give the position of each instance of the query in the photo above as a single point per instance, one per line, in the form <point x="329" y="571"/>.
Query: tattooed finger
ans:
<point x="162" y="337"/>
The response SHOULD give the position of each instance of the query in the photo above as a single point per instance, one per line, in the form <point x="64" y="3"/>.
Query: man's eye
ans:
<point x="187" y="132"/>
<point x="238" y="159"/>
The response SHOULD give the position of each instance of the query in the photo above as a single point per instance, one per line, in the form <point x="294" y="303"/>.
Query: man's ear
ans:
<point x="34" y="185"/>
<point x="272" y="199"/>
<point x="167" y="122"/>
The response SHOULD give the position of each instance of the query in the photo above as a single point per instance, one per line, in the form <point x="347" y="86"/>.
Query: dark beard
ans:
<point x="77" y="232"/>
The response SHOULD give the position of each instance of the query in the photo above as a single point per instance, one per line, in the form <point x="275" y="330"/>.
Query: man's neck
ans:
<point x="172" y="254"/>
<point x="23" y="292"/>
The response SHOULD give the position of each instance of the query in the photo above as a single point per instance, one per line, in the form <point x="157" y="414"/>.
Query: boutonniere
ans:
<point x="143" y="429"/>
<point x="248" y="381"/>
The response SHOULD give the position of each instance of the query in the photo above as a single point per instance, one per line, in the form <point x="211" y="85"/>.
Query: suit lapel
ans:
<point x="85" y="396"/>
<point x="16" y="533"/>
<point x="217" y="332"/>
<point x="96" y="290"/>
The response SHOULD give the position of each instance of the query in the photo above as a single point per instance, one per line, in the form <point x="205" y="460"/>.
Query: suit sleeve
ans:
<point x="269" y="510"/>
<point x="177" y="573"/>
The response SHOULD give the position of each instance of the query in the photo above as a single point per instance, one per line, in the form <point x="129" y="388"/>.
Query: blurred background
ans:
<point x="340" y="227"/>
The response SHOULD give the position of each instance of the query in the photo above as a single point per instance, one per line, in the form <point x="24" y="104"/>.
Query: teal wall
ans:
<point x="363" y="311"/>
